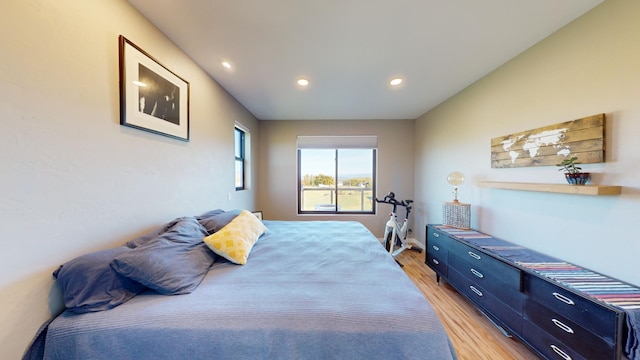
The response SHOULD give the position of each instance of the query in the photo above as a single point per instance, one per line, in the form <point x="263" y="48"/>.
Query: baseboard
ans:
<point x="416" y="243"/>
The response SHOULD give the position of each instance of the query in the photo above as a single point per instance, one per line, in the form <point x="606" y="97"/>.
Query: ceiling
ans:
<point x="350" y="49"/>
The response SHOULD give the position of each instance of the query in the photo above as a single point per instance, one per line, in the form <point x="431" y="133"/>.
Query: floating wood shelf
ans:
<point x="555" y="188"/>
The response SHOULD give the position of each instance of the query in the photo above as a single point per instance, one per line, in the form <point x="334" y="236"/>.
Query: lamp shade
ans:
<point x="455" y="178"/>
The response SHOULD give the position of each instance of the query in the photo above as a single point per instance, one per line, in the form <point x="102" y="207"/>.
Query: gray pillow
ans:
<point x="89" y="284"/>
<point x="209" y="214"/>
<point x="141" y="240"/>
<point x="217" y="222"/>
<point x="174" y="262"/>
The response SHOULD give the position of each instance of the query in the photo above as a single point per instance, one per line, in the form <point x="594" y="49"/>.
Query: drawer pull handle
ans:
<point x="477" y="273"/>
<point x="563" y="354"/>
<point x="435" y="248"/>
<point x="473" y="288"/>
<point x="436" y="235"/>
<point x="436" y="262"/>
<point x="563" y="298"/>
<point x="562" y="326"/>
<point x="474" y="255"/>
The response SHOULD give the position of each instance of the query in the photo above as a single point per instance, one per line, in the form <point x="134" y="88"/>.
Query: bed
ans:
<point x="308" y="290"/>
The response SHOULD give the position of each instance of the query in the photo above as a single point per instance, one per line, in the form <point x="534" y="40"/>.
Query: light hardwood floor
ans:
<point x="473" y="336"/>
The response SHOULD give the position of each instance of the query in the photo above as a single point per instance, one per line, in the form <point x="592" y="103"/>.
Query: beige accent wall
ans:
<point x="73" y="179"/>
<point x="590" y="66"/>
<point x="278" y="165"/>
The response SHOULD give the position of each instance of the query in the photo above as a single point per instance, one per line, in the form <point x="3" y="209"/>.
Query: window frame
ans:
<point x="335" y="188"/>
<point x="242" y="157"/>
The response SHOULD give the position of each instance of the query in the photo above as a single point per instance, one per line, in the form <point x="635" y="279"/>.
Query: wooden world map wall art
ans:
<point x="549" y="145"/>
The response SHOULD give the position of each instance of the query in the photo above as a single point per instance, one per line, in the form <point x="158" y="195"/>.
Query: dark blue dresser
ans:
<point x="560" y="310"/>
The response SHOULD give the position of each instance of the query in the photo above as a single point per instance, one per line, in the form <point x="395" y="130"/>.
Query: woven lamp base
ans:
<point x="456" y="214"/>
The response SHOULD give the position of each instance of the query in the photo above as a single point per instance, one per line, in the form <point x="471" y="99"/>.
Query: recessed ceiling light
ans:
<point x="303" y="82"/>
<point x="226" y="65"/>
<point x="395" y="81"/>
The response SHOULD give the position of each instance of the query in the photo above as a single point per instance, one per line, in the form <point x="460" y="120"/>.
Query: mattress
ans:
<point x="309" y="290"/>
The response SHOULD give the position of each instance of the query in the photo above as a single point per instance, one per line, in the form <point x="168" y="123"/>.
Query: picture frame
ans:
<point x="152" y="97"/>
<point x="258" y="214"/>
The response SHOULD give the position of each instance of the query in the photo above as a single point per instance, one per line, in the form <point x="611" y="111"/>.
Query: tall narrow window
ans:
<point x="336" y="174"/>
<point x="240" y="176"/>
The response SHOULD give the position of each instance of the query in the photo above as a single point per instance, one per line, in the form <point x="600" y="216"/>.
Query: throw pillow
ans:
<point x="235" y="240"/>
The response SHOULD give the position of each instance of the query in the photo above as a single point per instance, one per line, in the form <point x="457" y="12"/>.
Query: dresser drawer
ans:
<point x="584" y="341"/>
<point x="507" y="315"/>
<point x="547" y="345"/>
<point x="437" y="241"/>
<point x="437" y="251"/>
<point x="484" y="267"/>
<point x="437" y="263"/>
<point x="503" y="284"/>
<point x="583" y="312"/>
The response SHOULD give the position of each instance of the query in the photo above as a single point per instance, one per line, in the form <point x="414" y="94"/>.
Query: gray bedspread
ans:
<point x="310" y="290"/>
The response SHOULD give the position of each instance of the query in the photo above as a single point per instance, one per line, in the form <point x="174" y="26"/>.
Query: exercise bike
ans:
<point x="395" y="235"/>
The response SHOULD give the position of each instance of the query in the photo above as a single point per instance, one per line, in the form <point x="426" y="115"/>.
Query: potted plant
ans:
<point x="572" y="172"/>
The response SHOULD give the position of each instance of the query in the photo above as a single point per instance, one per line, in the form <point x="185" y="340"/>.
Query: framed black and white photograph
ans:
<point x="152" y="97"/>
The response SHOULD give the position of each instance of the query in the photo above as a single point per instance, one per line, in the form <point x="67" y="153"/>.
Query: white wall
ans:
<point x="278" y="165"/>
<point x="74" y="180"/>
<point x="591" y="66"/>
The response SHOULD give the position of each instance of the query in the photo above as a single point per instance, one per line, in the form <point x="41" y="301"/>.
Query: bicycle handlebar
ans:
<point x="390" y="198"/>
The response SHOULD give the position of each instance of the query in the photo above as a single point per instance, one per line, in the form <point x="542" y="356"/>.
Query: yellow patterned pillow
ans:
<point x="235" y="240"/>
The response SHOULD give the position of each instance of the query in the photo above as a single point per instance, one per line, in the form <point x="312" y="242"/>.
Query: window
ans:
<point x="336" y="174"/>
<point x="240" y="148"/>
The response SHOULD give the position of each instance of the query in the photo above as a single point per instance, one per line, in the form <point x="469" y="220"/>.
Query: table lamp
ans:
<point x="455" y="213"/>
<point x="456" y="179"/>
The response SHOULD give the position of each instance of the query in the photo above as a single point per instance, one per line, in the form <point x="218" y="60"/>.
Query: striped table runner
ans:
<point x="598" y="286"/>
<point x="463" y="233"/>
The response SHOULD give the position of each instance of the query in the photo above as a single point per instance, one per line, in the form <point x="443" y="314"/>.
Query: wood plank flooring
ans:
<point x="473" y="336"/>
